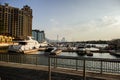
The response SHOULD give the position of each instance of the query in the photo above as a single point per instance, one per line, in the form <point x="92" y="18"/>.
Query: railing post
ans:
<point x="55" y="61"/>
<point x="7" y="57"/>
<point x="84" y="77"/>
<point x="20" y="58"/>
<point x="49" y="68"/>
<point x="76" y="64"/>
<point x="36" y="60"/>
<point x="101" y="69"/>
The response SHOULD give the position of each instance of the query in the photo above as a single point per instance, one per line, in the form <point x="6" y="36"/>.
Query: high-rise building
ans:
<point x="63" y="39"/>
<point x="38" y="35"/>
<point x="16" y="22"/>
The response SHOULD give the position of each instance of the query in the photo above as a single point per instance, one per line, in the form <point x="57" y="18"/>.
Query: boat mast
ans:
<point x="57" y="40"/>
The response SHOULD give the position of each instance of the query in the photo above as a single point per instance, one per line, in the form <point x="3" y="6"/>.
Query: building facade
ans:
<point x="38" y="35"/>
<point x="16" y="22"/>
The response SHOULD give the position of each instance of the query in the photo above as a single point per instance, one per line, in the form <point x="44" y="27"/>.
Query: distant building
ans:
<point x="16" y="22"/>
<point x="38" y="35"/>
<point x="63" y="39"/>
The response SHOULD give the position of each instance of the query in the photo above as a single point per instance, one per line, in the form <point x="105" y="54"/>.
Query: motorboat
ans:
<point x="53" y="51"/>
<point x="81" y="52"/>
<point x="84" y="52"/>
<point x="25" y="46"/>
<point x="89" y="53"/>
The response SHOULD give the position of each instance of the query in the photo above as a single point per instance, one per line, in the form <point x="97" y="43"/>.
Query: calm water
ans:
<point x="95" y="55"/>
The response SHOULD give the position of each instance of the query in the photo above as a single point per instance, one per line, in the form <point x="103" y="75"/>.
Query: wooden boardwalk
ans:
<point x="99" y="76"/>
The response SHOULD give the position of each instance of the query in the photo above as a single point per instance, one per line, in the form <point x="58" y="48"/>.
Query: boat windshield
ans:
<point x="22" y="43"/>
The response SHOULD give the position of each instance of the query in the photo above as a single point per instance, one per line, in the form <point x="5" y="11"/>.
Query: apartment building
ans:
<point x="38" y="35"/>
<point x="15" y="22"/>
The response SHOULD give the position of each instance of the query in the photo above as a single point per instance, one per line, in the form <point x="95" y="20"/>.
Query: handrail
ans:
<point x="101" y="65"/>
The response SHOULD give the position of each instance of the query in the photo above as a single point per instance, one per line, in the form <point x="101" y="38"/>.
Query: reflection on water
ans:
<point x="74" y="54"/>
<point x="95" y="55"/>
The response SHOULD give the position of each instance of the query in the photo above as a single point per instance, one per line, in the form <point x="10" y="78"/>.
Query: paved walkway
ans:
<point x="59" y="70"/>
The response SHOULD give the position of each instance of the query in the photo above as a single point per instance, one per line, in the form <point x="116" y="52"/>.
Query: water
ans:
<point x="74" y="54"/>
<point x="99" y="45"/>
<point x="95" y="55"/>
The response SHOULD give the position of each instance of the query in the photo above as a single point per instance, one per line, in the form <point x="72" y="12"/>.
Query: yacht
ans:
<point x="25" y="46"/>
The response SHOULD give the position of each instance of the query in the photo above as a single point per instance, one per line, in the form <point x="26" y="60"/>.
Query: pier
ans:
<point x="59" y="67"/>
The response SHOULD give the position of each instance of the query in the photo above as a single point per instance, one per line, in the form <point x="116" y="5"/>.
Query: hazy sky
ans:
<point x="76" y="20"/>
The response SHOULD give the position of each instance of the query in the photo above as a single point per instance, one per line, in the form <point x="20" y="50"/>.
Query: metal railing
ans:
<point x="99" y="65"/>
<point x="24" y="59"/>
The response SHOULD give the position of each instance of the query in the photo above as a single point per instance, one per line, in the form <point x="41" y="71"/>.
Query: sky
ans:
<point x="75" y="20"/>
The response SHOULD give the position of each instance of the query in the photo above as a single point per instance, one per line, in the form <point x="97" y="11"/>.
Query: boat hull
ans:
<point x="56" y="52"/>
<point x="81" y="52"/>
<point x="24" y="52"/>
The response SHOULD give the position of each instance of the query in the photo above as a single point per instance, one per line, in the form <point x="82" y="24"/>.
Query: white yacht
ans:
<point x="25" y="46"/>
